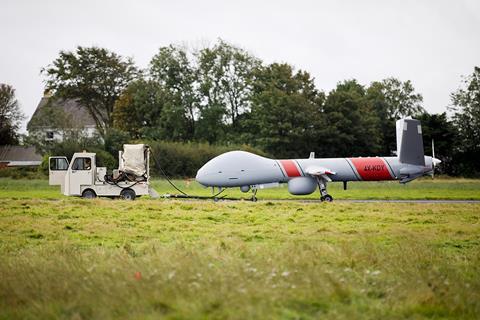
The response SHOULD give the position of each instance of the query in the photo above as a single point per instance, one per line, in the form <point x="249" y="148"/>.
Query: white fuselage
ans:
<point x="239" y="168"/>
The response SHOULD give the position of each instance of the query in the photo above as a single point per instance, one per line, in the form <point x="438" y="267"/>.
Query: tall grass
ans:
<point x="419" y="189"/>
<point x="102" y="259"/>
<point x="232" y="280"/>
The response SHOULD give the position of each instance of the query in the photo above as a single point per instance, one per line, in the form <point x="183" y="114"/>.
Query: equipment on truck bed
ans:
<point x="83" y="178"/>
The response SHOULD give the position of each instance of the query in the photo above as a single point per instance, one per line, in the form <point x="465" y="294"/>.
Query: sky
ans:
<point x="432" y="43"/>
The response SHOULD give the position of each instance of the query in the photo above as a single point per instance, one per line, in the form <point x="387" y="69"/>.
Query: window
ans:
<point x="49" y="135"/>
<point x="82" y="164"/>
<point x="58" y="164"/>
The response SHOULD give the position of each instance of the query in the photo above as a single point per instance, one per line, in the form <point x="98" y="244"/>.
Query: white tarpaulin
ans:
<point x="134" y="159"/>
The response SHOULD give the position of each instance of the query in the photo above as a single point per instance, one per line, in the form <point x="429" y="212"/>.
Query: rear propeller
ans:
<point x="435" y="161"/>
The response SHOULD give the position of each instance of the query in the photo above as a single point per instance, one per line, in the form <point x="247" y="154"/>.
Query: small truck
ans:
<point x="81" y="177"/>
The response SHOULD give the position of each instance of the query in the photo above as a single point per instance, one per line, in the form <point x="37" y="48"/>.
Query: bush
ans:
<point x="43" y="168"/>
<point x="114" y="141"/>
<point x="184" y="159"/>
<point x="176" y="158"/>
<point x="105" y="159"/>
<point x="23" y="173"/>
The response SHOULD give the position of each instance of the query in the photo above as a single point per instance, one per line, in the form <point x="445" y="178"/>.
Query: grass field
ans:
<point x="426" y="188"/>
<point x="109" y="259"/>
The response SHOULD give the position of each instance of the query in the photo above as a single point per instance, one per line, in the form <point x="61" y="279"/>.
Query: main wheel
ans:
<point x="89" y="194"/>
<point x="328" y="198"/>
<point x="127" y="194"/>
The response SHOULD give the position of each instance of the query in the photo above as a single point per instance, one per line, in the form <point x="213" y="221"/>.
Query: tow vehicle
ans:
<point x="81" y="177"/>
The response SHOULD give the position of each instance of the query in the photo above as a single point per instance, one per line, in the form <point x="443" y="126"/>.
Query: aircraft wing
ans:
<point x="320" y="172"/>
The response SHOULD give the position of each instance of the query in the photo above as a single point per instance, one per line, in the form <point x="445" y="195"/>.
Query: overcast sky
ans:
<point x="432" y="43"/>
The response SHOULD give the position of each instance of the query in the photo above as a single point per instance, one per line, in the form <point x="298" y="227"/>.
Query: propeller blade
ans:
<point x="433" y="148"/>
<point x="435" y="161"/>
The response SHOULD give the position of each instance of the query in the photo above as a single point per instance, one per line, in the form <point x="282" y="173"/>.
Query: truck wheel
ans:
<point x="127" y="194"/>
<point x="89" y="194"/>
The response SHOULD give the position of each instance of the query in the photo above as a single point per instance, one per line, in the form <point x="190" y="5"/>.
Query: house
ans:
<point x="54" y="118"/>
<point x="19" y="156"/>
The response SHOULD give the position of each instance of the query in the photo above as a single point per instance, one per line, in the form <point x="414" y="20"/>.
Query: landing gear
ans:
<point x="322" y="185"/>
<point x="215" y="195"/>
<point x="327" y="198"/>
<point x="254" y="196"/>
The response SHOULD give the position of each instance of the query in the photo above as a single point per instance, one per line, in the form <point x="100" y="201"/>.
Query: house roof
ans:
<point x="70" y="107"/>
<point x="19" y="154"/>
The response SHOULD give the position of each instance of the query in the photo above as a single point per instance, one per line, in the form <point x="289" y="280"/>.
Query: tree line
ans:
<point x="223" y="95"/>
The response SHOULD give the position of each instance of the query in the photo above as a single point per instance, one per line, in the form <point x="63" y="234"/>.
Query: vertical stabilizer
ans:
<point x="410" y="142"/>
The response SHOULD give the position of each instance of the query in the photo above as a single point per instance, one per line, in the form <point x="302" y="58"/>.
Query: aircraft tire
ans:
<point x="327" y="198"/>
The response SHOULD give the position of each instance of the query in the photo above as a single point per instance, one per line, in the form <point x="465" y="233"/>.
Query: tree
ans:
<point x="10" y="115"/>
<point x="438" y="128"/>
<point x="286" y="118"/>
<point x="94" y="76"/>
<point x="466" y="117"/>
<point x="172" y="70"/>
<point x="138" y="111"/>
<point x="391" y="100"/>
<point x="352" y="124"/>
<point x="401" y="98"/>
<point x="225" y="75"/>
<point x="208" y="90"/>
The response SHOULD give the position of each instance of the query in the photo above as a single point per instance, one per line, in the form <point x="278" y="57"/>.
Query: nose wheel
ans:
<point x="254" y="195"/>
<point x="215" y="196"/>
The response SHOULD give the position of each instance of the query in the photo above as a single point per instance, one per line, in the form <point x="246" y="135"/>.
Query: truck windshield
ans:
<point x="82" y="164"/>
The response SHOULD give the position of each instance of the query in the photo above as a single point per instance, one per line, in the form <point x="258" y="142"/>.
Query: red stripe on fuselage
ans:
<point x="290" y="168"/>
<point x="372" y="169"/>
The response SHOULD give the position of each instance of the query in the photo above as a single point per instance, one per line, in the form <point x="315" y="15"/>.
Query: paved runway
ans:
<point x="375" y="201"/>
<point x="226" y="198"/>
<point x="260" y="200"/>
<point x="411" y="201"/>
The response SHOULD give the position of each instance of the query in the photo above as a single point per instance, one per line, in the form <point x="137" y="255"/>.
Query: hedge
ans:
<point x="178" y="160"/>
<point x="184" y="159"/>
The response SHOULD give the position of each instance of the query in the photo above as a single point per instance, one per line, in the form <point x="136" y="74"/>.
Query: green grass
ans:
<point x="70" y="258"/>
<point x="443" y="188"/>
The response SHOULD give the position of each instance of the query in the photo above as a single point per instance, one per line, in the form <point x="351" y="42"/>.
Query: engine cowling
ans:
<point x="245" y="188"/>
<point x="302" y="186"/>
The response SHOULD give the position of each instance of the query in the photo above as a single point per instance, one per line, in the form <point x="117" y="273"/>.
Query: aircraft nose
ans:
<point x="201" y="176"/>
